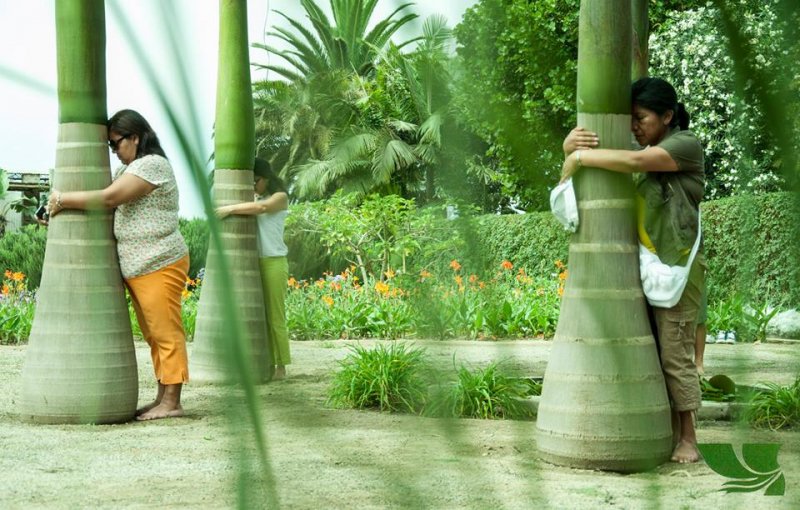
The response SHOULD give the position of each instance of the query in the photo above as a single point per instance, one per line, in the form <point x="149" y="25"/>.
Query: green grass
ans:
<point x="775" y="407"/>
<point x="389" y="377"/>
<point x="485" y="393"/>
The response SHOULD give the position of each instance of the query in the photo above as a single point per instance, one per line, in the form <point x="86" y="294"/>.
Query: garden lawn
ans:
<point x="329" y="458"/>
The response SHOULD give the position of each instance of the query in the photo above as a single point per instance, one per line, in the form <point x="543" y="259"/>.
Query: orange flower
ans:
<point x="185" y="294"/>
<point x="18" y="277"/>
<point x="473" y="278"/>
<point x="320" y="283"/>
<point x="560" y="264"/>
<point x="5" y="290"/>
<point x="292" y="282"/>
<point x="328" y="300"/>
<point x="507" y="265"/>
<point x="459" y="280"/>
<point x="560" y="291"/>
<point x="424" y="274"/>
<point x="481" y="285"/>
<point x="381" y="287"/>
<point x="563" y="275"/>
<point x="336" y="285"/>
<point x="389" y="274"/>
<point x="8" y="274"/>
<point x="455" y="265"/>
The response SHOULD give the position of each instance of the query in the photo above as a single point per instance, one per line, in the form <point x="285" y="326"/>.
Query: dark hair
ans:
<point x="263" y="169"/>
<point x="129" y="122"/>
<point x="660" y="96"/>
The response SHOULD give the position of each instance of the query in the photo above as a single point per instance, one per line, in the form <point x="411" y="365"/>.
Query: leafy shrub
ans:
<point x="775" y="407"/>
<point x="485" y="393"/>
<point x="23" y="251"/>
<point x="389" y="378"/>
<point x="195" y="233"/>
<point x="740" y="156"/>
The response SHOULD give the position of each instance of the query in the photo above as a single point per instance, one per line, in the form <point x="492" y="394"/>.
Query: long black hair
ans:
<point x="263" y="169"/>
<point x="660" y="96"/>
<point x="130" y="122"/>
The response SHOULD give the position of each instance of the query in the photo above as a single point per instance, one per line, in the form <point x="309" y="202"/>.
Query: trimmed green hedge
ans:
<point x="751" y="244"/>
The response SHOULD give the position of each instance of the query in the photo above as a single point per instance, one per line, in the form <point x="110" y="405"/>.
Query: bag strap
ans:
<point x="696" y="241"/>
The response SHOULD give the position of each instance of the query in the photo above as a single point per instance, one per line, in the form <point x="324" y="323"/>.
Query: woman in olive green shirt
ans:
<point x="668" y="194"/>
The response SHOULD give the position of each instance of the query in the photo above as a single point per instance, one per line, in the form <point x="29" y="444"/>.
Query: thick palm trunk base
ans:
<point x="604" y="402"/>
<point x="212" y="333"/>
<point x="80" y="365"/>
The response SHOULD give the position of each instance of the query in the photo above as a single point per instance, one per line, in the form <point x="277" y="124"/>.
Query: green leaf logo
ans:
<point x="755" y="469"/>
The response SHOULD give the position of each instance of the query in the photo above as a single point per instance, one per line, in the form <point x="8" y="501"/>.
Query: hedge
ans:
<point x="752" y="245"/>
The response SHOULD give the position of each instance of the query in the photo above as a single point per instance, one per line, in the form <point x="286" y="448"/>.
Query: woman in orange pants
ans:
<point x="152" y="254"/>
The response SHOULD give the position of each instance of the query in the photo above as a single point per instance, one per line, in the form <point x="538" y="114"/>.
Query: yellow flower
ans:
<point x="563" y="275"/>
<point x="18" y="277"/>
<point x="424" y="274"/>
<point x="560" y="264"/>
<point x="185" y="294"/>
<point x="455" y="265"/>
<point x="459" y="280"/>
<point x="320" y="283"/>
<point x="292" y="282"/>
<point x="328" y="300"/>
<point x="389" y="274"/>
<point x="507" y="265"/>
<point x="381" y="287"/>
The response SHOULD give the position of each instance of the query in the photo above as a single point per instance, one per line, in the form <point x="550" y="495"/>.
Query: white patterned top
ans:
<point x="146" y="229"/>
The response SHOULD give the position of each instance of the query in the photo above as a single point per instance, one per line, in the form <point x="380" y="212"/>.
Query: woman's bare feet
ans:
<point x="169" y="405"/>
<point x="280" y="373"/>
<point x="685" y="452"/>
<point x="154" y="403"/>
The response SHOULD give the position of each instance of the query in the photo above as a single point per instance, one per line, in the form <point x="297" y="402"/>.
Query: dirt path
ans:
<point x="327" y="458"/>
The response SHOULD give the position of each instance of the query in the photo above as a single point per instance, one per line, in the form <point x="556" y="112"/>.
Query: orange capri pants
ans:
<point x="156" y="300"/>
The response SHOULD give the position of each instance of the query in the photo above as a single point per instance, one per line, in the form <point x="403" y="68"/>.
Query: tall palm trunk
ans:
<point x="80" y="366"/>
<point x="641" y="32"/>
<point x="234" y="146"/>
<point x="604" y="402"/>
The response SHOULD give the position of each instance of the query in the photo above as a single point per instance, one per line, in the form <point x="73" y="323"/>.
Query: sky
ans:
<point x="28" y="102"/>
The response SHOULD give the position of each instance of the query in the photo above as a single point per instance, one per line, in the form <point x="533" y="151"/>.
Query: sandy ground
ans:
<point x="328" y="458"/>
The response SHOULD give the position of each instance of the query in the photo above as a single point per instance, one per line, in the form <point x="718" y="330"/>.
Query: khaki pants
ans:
<point x="156" y="300"/>
<point x="676" y="336"/>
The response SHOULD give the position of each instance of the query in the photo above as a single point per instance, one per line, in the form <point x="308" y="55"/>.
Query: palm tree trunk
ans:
<point x="641" y="32"/>
<point x="80" y="365"/>
<point x="604" y="402"/>
<point x="234" y="147"/>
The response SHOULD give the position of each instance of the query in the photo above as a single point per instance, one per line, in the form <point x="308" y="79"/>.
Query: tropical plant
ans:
<point x="345" y="45"/>
<point x="596" y="356"/>
<point x="389" y="377"/>
<point x="774" y="406"/>
<point x="234" y="150"/>
<point x="80" y="365"/>
<point x="23" y="251"/>
<point x="484" y="393"/>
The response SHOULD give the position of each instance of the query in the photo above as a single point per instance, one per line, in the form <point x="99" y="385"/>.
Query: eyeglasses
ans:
<point x="114" y="144"/>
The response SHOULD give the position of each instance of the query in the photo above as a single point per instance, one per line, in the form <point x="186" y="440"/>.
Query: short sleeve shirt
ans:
<point x="670" y="201"/>
<point x="146" y="229"/>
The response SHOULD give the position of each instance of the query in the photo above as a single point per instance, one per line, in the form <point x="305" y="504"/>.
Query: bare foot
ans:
<point x="700" y="370"/>
<point x="280" y="373"/>
<point x="146" y="408"/>
<point x="685" y="452"/>
<point x="160" y="411"/>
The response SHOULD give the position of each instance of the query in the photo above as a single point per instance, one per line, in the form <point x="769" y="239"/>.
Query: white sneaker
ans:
<point x="710" y="339"/>
<point x="721" y="337"/>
